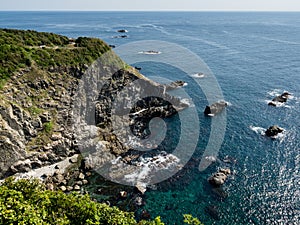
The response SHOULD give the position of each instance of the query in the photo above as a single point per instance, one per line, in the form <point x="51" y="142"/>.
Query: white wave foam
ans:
<point x="279" y="104"/>
<point x="275" y="92"/>
<point x="151" y="52"/>
<point x="281" y="41"/>
<point x="147" y="167"/>
<point x="228" y="103"/>
<point x="198" y="75"/>
<point x="258" y="130"/>
<point x="281" y="136"/>
<point x="186" y="101"/>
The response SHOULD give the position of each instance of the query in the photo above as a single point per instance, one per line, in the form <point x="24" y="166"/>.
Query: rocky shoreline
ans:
<point x="37" y="133"/>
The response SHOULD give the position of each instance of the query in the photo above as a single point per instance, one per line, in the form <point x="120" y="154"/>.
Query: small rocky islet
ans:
<point x="280" y="99"/>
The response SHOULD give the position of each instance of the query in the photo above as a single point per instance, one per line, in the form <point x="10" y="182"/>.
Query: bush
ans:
<point x="48" y="127"/>
<point x="19" y="49"/>
<point x="28" y="202"/>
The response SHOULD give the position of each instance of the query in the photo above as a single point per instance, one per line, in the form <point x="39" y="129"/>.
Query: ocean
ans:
<point x="253" y="56"/>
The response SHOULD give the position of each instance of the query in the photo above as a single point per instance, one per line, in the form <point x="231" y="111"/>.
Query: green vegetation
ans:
<point x="20" y="49"/>
<point x="189" y="219"/>
<point x="48" y="127"/>
<point x="28" y="202"/>
<point x="33" y="110"/>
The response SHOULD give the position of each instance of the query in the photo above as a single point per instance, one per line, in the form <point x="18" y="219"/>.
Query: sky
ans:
<point x="152" y="5"/>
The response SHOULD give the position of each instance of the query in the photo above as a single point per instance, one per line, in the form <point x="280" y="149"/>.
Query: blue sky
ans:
<point x="153" y="5"/>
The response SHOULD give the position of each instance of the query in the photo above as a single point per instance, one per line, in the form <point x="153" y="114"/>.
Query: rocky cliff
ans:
<point x="40" y="74"/>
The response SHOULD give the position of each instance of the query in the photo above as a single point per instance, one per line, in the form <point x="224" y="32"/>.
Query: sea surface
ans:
<point x="254" y="56"/>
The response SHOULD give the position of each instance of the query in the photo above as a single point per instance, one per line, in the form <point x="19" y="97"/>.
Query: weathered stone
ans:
<point x="63" y="188"/>
<point x="56" y="136"/>
<point x="69" y="188"/>
<point x="219" y="178"/>
<point x="50" y="186"/>
<point x="80" y="183"/>
<point x="84" y="182"/>
<point x="77" y="187"/>
<point x="81" y="176"/>
<point x="273" y="131"/>
<point x="215" y="108"/>
<point x="226" y="171"/>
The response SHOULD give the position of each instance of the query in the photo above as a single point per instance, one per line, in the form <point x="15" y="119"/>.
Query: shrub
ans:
<point x="28" y="202"/>
<point x="48" y="127"/>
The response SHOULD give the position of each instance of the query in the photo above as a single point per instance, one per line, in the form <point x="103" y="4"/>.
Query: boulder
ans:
<point x="219" y="178"/>
<point x="273" y="131"/>
<point x="215" y="108"/>
<point x="174" y="85"/>
<point x="122" y="31"/>
<point x="280" y="99"/>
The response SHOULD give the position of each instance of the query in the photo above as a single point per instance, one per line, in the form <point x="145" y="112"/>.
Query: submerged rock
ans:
<point x="215" y="108"/>
<point x="273" y="131"/>
<point x="213" y="211"/>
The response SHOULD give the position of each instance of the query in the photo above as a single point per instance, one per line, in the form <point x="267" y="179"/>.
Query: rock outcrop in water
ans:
<point x="174" y="85"/>
<point x="280" y="99"/>
<point x="219" y="178"/>
<point x="215" y="108"/>
<point x="273" y="131"/>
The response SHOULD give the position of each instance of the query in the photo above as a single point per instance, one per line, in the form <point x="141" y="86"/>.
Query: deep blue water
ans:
<point x="254" y="56"/>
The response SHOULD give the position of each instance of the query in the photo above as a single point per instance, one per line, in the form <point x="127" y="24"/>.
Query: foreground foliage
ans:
<point x="28" y="202"/>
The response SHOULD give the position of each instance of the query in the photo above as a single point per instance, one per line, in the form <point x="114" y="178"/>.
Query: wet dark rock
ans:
<point x="122" y="31"/>
<point x="220" y="193"/>
<point x="145" y="215"/>
<point x="219" y="178"/>
<point x="273" y="131"/>
<point x="174" y="85"/>
<point x="280" y="99"/>
<point x="215" y="108"/>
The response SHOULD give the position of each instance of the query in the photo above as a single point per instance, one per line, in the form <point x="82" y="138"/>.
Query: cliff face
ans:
<point x="39" y="75"/>
<point x="37" y="99"/>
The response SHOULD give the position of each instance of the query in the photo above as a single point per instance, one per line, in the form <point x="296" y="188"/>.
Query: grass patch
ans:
<point x="34" y="111"/>
<point x="48" y="127"/>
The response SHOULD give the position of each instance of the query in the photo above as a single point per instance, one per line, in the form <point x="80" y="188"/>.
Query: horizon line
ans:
<point x="162" y="10"/>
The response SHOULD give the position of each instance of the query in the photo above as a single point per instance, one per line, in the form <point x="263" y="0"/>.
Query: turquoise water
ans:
<point x="254" y="56"/>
